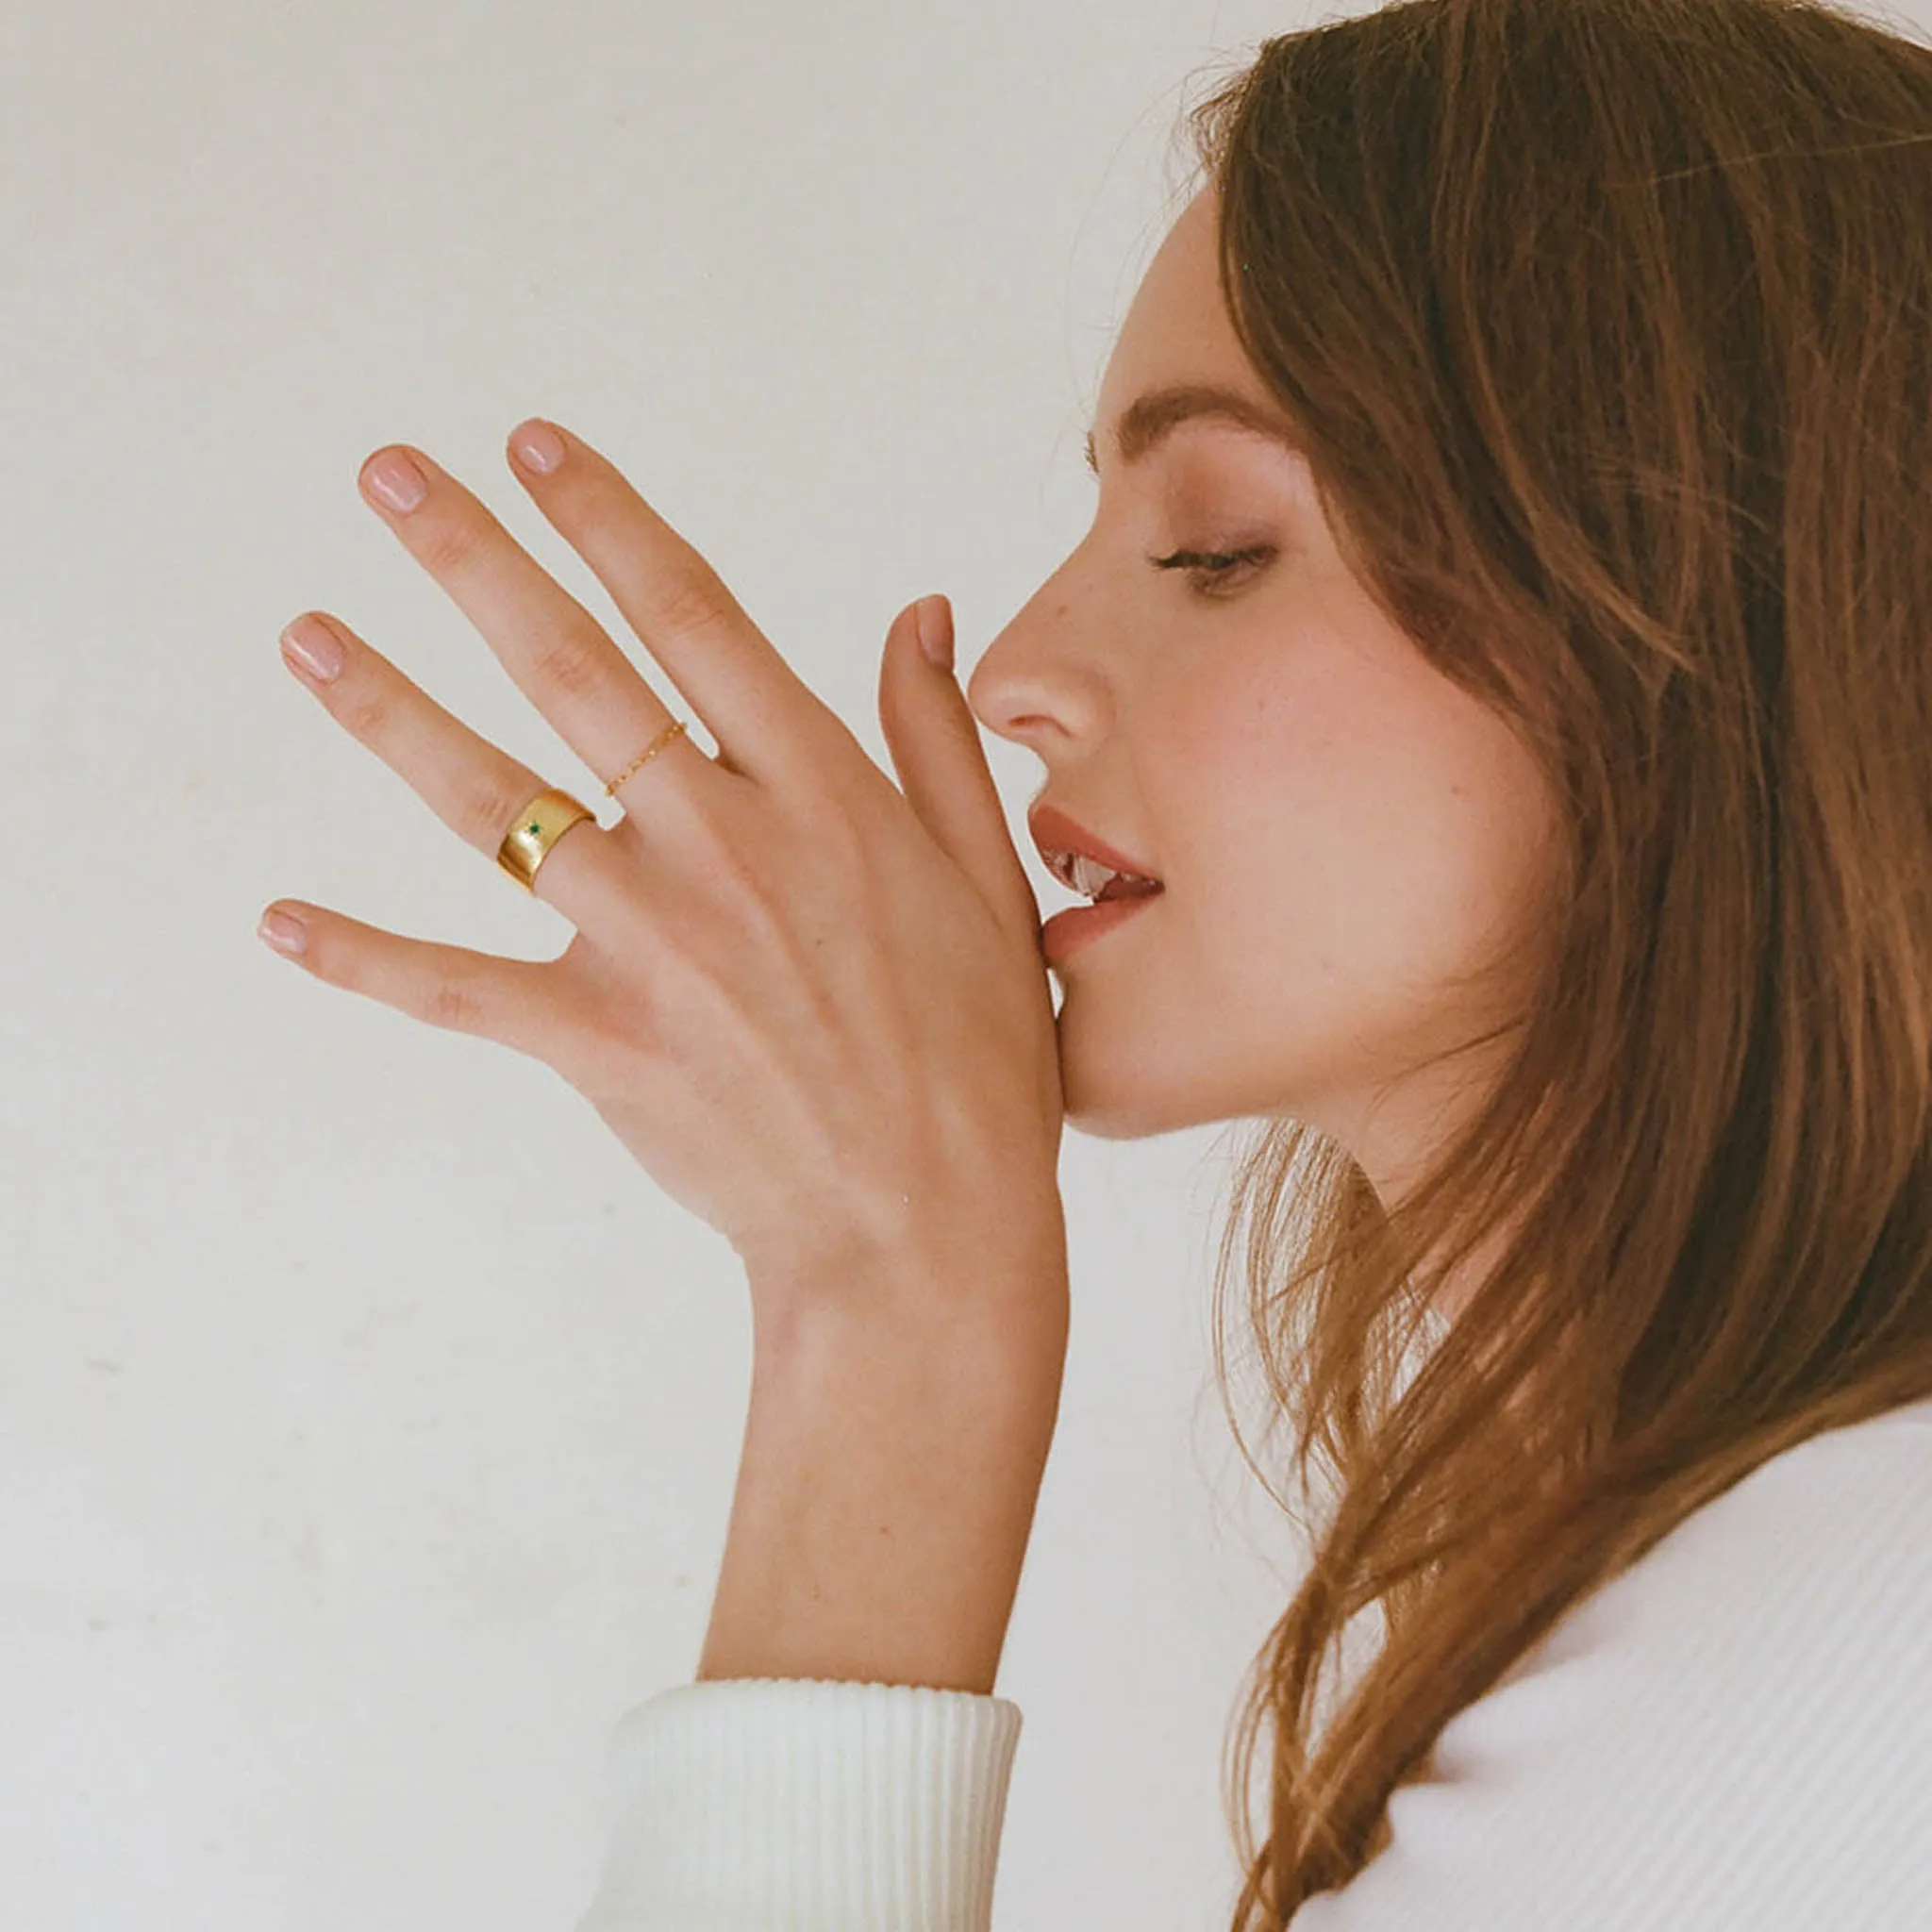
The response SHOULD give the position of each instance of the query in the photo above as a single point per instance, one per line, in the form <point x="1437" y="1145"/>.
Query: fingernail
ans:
<point x="936" y="631"/>
<point x="284" y="932"/>
<point x="535" y="446"/>
<point x="396" y="480"/>
<point x="314" y="649"/>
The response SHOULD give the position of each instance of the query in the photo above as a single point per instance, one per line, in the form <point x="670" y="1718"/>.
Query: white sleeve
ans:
<point x="1732" y="1735"/>
<point x="769" y="1805"/>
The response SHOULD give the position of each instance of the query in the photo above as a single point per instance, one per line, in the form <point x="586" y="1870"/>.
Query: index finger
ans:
<point x="727" y="671"/>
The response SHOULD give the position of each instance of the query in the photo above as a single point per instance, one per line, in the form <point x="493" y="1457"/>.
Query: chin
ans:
<point x="1114" y="1099"/>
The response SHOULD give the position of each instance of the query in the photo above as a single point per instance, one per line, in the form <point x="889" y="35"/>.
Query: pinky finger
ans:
<point x="453" y="988"/>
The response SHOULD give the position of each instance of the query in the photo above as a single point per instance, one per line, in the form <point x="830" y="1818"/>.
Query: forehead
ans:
<point x="1177" y="357"/>
<point x="1178" y="329"/>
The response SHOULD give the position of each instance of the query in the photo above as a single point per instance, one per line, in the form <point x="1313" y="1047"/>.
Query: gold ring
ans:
<point x="650" y="751"/>
<point x="539" y="827"/>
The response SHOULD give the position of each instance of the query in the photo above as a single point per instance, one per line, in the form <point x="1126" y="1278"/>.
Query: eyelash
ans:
<point x="1216" y="565"/>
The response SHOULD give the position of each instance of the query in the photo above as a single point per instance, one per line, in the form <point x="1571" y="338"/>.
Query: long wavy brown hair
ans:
<point x="1608" y="327"/>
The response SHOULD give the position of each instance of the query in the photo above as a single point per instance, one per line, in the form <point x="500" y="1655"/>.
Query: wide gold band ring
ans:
<point x="553" y="812"/>
<point x="539" y="827"/>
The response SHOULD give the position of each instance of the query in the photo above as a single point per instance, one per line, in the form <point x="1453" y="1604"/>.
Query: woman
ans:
<point x="1500" y="663"/>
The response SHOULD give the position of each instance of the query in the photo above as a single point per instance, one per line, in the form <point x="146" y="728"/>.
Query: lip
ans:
<point x="1054" y="831"/>
<point x="1079" y="925"/>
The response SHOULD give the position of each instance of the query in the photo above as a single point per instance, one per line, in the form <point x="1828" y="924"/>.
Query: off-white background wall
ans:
<point x="368" y="1419"/>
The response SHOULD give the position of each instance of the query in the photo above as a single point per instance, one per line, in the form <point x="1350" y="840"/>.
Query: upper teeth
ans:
<point x="1087" y="875"/>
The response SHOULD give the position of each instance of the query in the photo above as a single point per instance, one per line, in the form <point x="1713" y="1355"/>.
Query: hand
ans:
<point x="813" y="1008"/>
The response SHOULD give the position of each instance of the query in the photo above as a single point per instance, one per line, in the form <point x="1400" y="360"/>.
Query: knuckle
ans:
<point x="446" y="545"/>
<point x="839" y="833"/>
<point x="740" y="870"/>
<point x="489" y="811"/>
<point x="716" y="845"/>
<point x="364" y="712"/>
<point x="695" y="599"/>
<point x="449" y="1002"/>
<point x="838" y="800"/>
<point x="565" y="667"/>
<point x="833" y="765"/>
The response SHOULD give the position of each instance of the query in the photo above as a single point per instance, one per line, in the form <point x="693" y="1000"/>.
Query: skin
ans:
<point x="1341" y="829"/>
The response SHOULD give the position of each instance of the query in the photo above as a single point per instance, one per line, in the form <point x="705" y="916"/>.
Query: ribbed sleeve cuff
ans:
<point x="782" y="1805"/>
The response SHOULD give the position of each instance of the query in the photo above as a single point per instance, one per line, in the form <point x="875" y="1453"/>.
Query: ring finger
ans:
<point x="477" y="790"/>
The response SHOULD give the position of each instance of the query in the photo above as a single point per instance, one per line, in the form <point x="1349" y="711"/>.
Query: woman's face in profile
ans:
<point x="1339" y="829"/>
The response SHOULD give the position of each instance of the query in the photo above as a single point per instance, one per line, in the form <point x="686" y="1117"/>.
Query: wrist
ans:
<point x="895" y="1441"/>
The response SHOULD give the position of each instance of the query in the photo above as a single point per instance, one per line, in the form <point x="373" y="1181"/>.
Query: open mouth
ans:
<point x="1101" y="884"/>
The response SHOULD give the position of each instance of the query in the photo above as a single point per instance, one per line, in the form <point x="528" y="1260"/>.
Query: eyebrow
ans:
<point x="1151" y="417"/>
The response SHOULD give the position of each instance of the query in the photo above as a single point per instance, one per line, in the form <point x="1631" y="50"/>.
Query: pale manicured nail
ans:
<point x="935" y="632"/>
<point x="397" y="481"/>
<point x="312" y="649"/>
<point x="537" y="446"/>
<point x="284" y="932"/>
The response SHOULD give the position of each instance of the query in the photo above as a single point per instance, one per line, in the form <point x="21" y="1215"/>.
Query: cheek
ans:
<point x="1264" y="789"/>
<point x="1346" y="846"/>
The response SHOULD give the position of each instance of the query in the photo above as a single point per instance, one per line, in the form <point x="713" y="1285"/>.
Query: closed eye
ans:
<point x="1211" y="569"/>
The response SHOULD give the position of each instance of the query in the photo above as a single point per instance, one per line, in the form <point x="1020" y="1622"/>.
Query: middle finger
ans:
<point x="558" y="656"/>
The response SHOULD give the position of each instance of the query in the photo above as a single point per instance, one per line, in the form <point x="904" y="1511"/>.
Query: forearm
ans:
<point x="892" y="1456"/>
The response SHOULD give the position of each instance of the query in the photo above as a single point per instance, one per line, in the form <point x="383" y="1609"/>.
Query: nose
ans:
<point x="1039" y="683"/>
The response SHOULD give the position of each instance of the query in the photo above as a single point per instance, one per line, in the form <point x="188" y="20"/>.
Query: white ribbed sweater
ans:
<point x="1732" y="1735"/>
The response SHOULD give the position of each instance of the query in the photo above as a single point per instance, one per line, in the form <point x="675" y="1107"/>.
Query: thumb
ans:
<point x="941" y="763"/>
